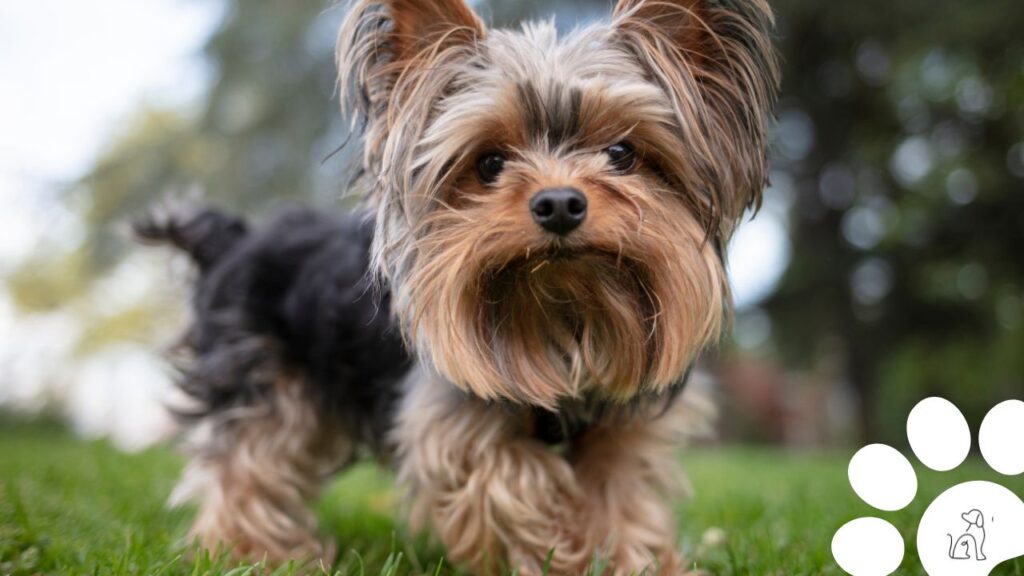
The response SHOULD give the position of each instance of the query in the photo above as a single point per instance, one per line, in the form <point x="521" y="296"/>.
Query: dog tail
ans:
<point x="205" y="234"/>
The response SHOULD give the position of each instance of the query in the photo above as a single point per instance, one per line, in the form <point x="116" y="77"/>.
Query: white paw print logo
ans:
<point x="970" y="528"/>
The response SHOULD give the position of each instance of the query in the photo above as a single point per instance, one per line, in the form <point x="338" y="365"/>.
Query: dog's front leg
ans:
<point x="628" y="469"/>
<point x="495" y="497"/>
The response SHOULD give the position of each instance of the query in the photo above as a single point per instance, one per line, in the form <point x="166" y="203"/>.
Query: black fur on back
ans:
<point x="294" y="295"/>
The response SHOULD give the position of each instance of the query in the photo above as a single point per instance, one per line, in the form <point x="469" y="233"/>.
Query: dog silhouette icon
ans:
<point x="970" y="544"/>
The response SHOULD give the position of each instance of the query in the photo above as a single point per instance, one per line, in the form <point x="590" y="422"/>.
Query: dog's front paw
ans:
<point x="635" y="564"/>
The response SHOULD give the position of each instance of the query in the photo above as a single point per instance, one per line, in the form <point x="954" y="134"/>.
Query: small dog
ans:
<point x="547" y="224"/>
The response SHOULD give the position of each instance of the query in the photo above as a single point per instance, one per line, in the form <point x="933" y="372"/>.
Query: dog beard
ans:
<point x="618" y="313"/>
<point x="579" y="320"/>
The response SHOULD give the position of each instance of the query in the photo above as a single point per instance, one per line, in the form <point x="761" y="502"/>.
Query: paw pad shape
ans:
<point x="970" y="528"/>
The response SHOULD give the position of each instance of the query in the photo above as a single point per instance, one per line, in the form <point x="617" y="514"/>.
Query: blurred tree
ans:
<point x="900" y="135"/>
<point x="260" y="134"/>
<point x="900" y="142"/>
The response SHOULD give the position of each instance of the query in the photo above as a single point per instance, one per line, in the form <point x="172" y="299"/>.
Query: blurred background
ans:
<point x="887" y="264"/>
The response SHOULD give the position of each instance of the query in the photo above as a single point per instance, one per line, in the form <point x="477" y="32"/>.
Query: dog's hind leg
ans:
<point x="254" y="470"/>
<point x="494" y="496"/>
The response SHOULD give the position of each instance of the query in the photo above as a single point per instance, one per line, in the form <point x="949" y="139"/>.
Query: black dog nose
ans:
<point x="559" y="210"/>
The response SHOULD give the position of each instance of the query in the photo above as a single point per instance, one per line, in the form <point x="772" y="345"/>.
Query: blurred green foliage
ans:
<point x="899" y="149"/>
<point x="908" y="200"/>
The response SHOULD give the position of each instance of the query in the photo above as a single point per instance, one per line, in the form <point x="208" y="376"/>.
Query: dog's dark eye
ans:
<point x="489" y="166"/>
<point x="622" y="157"/>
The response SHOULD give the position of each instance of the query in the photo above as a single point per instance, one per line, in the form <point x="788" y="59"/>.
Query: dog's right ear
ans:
<point x="419" y="25"/>
<point x="388" y="53"/>
<point x="397" y="60"/>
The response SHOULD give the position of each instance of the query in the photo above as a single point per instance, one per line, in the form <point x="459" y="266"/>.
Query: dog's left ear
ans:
<point x="715" y="61"/>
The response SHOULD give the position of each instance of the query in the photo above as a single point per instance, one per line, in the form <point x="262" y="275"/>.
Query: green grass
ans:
<point x="73" y="507"/>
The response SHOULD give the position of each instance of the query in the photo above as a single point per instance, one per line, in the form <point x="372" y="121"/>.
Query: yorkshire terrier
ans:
<point x="546" y="230"/>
